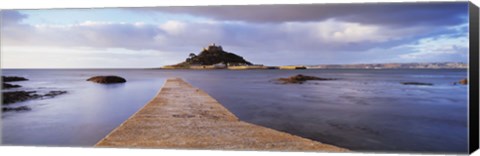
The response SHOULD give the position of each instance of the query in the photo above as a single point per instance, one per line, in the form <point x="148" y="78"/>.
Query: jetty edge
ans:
<point x="183" y="117"/>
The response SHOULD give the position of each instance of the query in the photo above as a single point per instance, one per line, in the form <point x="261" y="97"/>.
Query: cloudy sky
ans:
<point x="265" y="34"/>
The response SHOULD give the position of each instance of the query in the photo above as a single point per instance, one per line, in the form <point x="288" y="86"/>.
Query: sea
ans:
<point x="364" y="110"/>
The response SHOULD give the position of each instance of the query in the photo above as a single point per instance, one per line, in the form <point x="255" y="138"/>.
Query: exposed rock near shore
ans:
<point x="17" y="109"/>
<point x="300" y="79"/>
<point x="54" y="93"/>
<point x="8" y="86"/>
<point x="463" y="81"/>
<point x="417" y="83"/>
<point x="19" y="96"/>
<point x="13" y="78"/>
<point x="11" y="97"/>
<point x="107" y="79"/>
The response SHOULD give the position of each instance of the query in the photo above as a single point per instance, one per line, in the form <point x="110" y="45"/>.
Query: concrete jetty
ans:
<point x="184" y="117"/>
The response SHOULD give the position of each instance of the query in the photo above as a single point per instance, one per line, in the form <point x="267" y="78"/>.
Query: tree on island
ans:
<point x="192" y="55"/>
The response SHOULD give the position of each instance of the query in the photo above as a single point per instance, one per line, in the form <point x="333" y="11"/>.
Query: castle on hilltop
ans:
<point x="213" y="47"/>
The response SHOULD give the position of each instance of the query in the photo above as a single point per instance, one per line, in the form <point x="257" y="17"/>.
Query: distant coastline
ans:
<point x="435" y="65"/>
<point x="215" y="57"/>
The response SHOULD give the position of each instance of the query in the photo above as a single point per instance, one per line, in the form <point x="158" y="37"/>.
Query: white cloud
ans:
<point x="174" y="34"/>
<point x="173" y="27"/>
<point x="437" y="46"/>
<point x="135" y="36"/>
<point x="185" y="34"/>
<point x="169" y="42"/>
<point x="84" y="57"/>
<point x="332" y="31"/>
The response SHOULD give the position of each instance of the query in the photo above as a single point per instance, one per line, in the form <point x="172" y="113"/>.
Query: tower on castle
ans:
<point x="213" y="47"/>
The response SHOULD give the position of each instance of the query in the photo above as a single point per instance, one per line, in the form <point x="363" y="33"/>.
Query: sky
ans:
<point x="263" y="34"/>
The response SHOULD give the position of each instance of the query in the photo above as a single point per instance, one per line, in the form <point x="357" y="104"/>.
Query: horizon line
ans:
<point x="160" y="67"/>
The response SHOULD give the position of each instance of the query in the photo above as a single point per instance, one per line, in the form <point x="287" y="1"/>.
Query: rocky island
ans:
<point x="214" y="57"/>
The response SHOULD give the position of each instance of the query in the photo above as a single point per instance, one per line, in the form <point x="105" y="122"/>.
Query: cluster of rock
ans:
<point x="18" y="96"/>
<point x="11" y="79"/>
<point x="10" y="97"/>
<point x="21" y="108"/>
<point x="300" y="79"/>
<point x="8" y="86"/>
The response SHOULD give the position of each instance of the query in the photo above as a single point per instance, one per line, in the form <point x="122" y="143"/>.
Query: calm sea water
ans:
<point x="366" y="110"/>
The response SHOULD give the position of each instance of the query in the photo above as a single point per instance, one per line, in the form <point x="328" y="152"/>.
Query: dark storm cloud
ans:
<point x="403" y="14"/>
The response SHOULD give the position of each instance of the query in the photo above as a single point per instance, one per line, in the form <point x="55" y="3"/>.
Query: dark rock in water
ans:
<point x="417" y="83"/>
<point x="13" y="78"/>
<point x="300" y="79"/>
<point x="8" y="86"/>
<point x="18" y="96"/>
<point x="107" y="79"/>
<point x="463" y="81"/>
<point x="55" y="93"/>
<point x="17" y="109"/>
